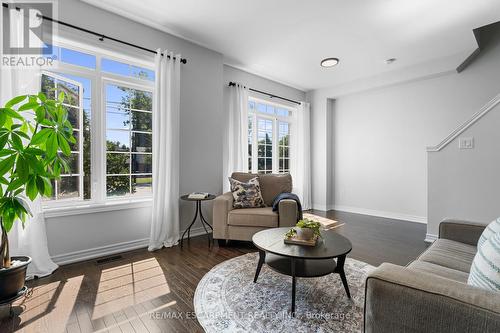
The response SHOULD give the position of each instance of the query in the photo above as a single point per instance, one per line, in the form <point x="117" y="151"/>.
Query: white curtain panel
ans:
<point x="166" y="120"/>
<point x="32" y="240"/>
<point x="301" y="155"/>
<point x="236" y="134"/>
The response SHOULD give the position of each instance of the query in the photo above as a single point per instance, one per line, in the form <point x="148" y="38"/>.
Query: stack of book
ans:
<point x="198" y="195"/>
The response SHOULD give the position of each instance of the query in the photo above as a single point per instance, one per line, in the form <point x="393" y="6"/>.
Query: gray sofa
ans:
<point x="431" y="293"/>
<point x="242" y="224"/>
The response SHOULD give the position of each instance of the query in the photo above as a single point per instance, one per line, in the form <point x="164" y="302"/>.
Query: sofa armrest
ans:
<point x="461" y="231"/>
<point x="223" y="204"/>
<point x="401" y="299"/>
<point x="287" y="211"/>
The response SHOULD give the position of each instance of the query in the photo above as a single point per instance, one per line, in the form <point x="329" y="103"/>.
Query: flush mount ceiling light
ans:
<point x="329" y="62"/>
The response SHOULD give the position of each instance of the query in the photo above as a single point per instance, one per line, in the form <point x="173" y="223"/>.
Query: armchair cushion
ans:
<point x="270" y="184"/>
<point x="253" y="217"/>
<point x="274" y="184"/>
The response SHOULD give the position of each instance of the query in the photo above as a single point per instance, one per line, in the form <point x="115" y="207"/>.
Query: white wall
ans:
<point x="201" y="153"/>
<point x="465" y="183"/>
<point x="380" y="135"/>
<point x="322" y="156"/>
<point x="203" y="80"/>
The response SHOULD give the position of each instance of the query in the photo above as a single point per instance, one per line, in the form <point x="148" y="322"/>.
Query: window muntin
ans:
<point x="120" y="68"/>
<point x="136" y="117"/>
<point x="269" y="128"/>
<point x="283" y="146"/>
<point x="72" y="57"/>
<point x="128" y="141"/>
<point x="70" y="186"/>
<point x="265" y="129"/>
<point x="250" y="141"/>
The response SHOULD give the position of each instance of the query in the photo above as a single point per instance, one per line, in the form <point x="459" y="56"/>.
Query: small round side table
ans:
<point x="202" y="218"/>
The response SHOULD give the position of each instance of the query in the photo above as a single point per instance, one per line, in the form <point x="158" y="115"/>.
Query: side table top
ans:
<point x="186" y="197"/>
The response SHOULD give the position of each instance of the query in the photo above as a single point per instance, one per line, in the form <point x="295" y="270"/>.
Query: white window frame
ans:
<point x="105" y="81"/>
<point x="80" y="135"/>
<point x="99" y="201"/>
<point x="276" y="119"/>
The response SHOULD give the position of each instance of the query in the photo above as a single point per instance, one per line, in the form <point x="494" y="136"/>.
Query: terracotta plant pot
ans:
<point x="12" y="279"/>
<point x="304" y="233"/>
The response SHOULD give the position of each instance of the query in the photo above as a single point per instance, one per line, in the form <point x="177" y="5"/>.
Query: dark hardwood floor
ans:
<point x="136" y="292"/>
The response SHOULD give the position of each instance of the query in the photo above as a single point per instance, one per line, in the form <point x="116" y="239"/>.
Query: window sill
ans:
<point x="88" y="208"/>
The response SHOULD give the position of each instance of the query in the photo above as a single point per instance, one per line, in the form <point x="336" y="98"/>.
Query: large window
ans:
<point x="128" y="141"/>
<point x="70" y="186"/>
<point x="269" y="127"/>
<point x="109" y="101"/>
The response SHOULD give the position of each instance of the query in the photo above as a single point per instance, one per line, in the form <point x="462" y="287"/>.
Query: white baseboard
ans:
<point x="389" y="215"/>
<point x="322" y="207"/>
<point x="107" y="250"/>
<point x="429" y="238"/>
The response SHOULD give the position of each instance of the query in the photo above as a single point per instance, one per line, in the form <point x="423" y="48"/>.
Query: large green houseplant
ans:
<point x="35" y="137"/>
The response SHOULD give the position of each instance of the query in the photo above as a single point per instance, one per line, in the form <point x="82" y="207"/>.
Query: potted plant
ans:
<point x="305" y="230"/>
<point x="35" y="137"/>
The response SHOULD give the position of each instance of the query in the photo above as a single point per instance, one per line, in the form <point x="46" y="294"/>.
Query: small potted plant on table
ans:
<point x="305" y="232"/>
<point x="34" y="139"/>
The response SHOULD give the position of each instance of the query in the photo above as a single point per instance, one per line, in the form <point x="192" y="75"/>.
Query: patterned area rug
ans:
<point x="227" y="300"/>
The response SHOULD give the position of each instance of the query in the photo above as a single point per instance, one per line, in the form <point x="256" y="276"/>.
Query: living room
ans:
<point x="250" y="166"/>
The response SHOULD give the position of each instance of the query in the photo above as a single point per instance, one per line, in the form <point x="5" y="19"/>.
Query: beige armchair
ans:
<point x="242" y="224"/>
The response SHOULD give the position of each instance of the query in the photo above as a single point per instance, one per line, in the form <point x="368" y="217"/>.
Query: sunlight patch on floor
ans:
<point x="50" y="306"/>
<point x="129" y="284"/>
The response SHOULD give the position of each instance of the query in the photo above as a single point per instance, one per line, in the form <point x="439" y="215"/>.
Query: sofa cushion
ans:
<point x="246" y="194"/>
<point x="442" y="271"/>
<point x="451" y="254"/>
<point x="485" y="270"/>
<point x="271" y="184"/>
<point x="489" y="231"/>
<point x="253" y="217"/>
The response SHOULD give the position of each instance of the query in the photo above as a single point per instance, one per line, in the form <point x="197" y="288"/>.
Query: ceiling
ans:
<point x="285" y="40"/>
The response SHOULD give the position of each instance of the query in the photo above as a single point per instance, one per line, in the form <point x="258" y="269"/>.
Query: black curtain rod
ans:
<point x="268" y="94"/>
<point x="101" y="36"/>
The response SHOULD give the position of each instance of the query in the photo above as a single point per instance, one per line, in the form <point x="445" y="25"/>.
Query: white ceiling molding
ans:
<point x="139" y="19"/>
<point x="463" y="127"/>
<point x="263" y="75"/>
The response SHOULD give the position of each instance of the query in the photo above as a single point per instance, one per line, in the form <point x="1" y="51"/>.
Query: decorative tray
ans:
<point x="294" y="240"/>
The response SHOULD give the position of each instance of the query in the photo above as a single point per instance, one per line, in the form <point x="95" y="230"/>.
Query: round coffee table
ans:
<point x="302" y="261"/>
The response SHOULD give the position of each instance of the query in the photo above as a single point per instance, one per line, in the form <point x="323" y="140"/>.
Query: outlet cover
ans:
<point x="466" y="143"/>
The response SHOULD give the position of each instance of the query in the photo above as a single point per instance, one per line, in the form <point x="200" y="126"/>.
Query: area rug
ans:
<point x="227" y="300"/>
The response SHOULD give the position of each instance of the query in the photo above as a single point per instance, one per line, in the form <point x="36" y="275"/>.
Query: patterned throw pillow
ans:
<point x="246" y="195"/>
<point x="485" y="270"/>
<point x="489" y="231"/>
